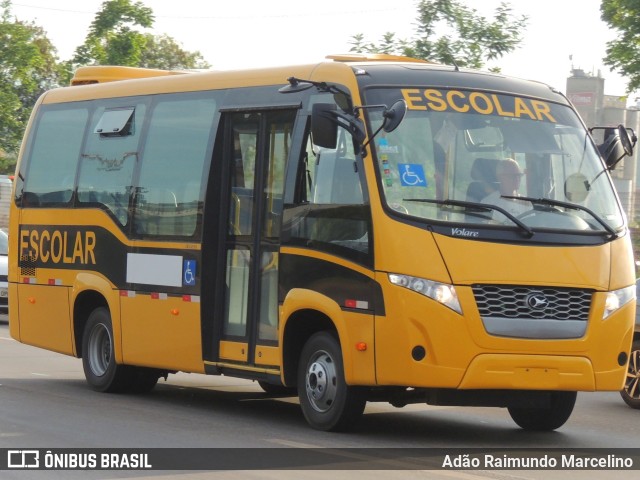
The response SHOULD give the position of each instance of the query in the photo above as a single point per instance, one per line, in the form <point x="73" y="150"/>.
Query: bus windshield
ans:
<point x="473" y="157"/>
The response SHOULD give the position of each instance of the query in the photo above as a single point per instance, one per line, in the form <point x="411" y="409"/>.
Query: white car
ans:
<point x="4" y="291"/>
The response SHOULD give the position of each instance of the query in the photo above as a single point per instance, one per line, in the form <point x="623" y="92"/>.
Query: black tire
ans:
<point x="545" y="419"/>
<point x="327" y="402"/>
<point x="273" y="389"/>
<point x="98" y="359"/>
<point x="631" y="391"/>
<point x="142" y="380"/>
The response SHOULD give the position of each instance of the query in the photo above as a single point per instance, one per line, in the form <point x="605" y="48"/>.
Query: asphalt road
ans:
<point x="45" y="403"/>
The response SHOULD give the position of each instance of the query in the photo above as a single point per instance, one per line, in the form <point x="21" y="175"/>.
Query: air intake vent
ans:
<point x="27" y="267"/>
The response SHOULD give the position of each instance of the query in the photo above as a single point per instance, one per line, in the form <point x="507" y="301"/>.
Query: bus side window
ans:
<point x="52" y="156"/>
<point x="169" y="195"/>
<point x="332" y="214"/>
<point x="109" y="159"/>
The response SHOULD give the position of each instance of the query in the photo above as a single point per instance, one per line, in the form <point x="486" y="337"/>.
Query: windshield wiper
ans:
<point x="482" y="206"/>
<point x="572" y="206"/>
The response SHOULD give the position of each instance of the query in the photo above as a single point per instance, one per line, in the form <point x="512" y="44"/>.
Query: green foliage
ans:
<point x="164" y="52"/>
<point x="623" y="53"/>
<point x="28" y="67"/>
<point x="452" y="33"/>
<point x="114" y="40"/>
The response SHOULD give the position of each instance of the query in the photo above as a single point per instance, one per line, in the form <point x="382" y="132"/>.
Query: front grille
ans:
<point x="519" y="302"/>
<point x="533" y="312"/>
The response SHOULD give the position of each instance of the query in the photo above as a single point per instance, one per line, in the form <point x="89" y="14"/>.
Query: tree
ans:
<point x="28" y="67"/>
<point x="164" y="52"/>
<point x="466" y="38"/>
<point x="113" y="39"/>
<point x="623" y="53"/>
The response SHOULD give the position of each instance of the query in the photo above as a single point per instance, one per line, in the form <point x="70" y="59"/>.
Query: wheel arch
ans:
<point x="305" y="312"/>
<point x="85" y="303"/>
<point x="89" y="292"/>
<point x="301" y="325"/>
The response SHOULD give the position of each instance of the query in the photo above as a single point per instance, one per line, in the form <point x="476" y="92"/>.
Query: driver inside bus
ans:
<point x="509" y="176"/>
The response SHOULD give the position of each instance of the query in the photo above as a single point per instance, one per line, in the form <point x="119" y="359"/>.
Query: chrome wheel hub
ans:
<point x="320" y="382"/>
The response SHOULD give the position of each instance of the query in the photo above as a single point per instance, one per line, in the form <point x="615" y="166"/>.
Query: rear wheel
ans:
<point x="631" y="391"/>
<point x="99" y="363"/>
<point x="327" y="402"/>
<point x="545" y="419"/>
<point x="141" y="379"/>
<point x="98" y="358"/>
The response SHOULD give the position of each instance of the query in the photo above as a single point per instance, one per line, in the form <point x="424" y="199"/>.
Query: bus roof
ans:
<point x="108" y="73"/>
<point x="92" y="82"/>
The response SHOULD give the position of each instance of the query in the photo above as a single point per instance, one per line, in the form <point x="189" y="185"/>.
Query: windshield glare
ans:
<point x="482" y="148"/>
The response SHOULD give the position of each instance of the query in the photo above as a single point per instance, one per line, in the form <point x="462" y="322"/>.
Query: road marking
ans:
<point x="40" y="374"/>
<point x="289" y="443"/>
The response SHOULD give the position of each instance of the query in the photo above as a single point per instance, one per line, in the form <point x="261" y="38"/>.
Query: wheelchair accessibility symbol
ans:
<point x="189" y="272"/>
<point x="412" y="175"/>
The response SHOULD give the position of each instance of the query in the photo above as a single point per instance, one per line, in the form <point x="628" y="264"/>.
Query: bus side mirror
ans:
<point x="393" y="116"/>
<point x="617" y="144"/>
<point x="325" y="119"/>
<point x="324" y="128"/>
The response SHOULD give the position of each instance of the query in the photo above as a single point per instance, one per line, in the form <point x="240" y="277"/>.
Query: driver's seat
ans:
<point x="484" y="179"/>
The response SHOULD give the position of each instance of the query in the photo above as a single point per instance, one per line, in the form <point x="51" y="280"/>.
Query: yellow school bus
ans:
<point x="362" y="229"/>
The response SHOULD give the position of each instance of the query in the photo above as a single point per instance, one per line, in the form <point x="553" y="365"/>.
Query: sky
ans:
<point x="231" y="34"/>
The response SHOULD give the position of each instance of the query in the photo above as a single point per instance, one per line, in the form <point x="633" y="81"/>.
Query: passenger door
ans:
<point x="256" y="150"/>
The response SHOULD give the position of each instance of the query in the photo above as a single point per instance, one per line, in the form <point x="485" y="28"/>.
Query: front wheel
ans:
<point x="631" y="391"/>
<point x="327" y="402"/>
<point x="545" y="419"/>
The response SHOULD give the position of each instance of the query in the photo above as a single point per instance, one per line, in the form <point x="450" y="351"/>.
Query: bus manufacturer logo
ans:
<point x="463" y="232"/>
<point x="537" y="301"/>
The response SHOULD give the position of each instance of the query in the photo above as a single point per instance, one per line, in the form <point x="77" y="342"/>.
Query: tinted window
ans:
<point x="170" y="195"/>
<point x="108" y="162"/>
<point x="331" y="212"/>
<point x="54" y="155"/>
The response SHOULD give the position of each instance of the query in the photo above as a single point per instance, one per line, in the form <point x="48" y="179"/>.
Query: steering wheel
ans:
<point x="398" y="207"/>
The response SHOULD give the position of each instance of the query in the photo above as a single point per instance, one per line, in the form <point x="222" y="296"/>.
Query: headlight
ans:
<point x="440" y="292"/>
<point x="617" y="299"/>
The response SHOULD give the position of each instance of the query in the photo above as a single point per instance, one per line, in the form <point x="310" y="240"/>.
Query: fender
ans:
<point x="353" y="328"/>
<point x="91" y="281"/>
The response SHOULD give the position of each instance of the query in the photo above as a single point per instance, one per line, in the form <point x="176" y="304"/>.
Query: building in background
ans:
<point x="586" y="92"/>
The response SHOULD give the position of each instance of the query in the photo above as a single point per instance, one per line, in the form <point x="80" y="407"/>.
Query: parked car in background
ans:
<point x="4" y="291"/>
<point x="631" y="391"/>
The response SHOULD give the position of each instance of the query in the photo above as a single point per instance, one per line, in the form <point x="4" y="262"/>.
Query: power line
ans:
<point x="230" y="17"/>
<point x="51" y="9"/>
